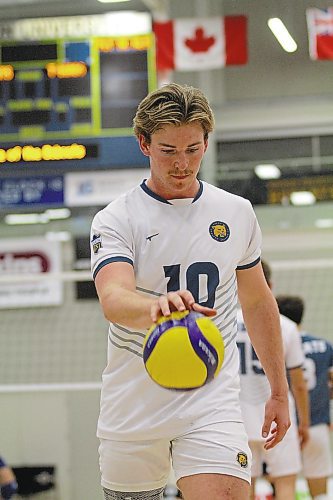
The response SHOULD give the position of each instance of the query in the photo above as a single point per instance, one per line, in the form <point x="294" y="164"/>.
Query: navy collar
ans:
<point x="151" y="193"/>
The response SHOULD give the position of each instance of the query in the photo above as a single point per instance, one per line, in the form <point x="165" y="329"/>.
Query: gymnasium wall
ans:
<point x="52" y="357"/>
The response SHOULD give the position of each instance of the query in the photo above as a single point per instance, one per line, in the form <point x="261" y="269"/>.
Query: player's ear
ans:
<point x="144" y="145"/>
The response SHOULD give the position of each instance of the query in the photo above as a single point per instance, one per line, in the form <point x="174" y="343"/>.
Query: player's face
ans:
<point x="175" y="154"/>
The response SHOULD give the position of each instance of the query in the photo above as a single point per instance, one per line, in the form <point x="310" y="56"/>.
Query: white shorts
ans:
<point x="316" y="454"/>
<point x="282" y="460"/>
<point x="219" y="448"/>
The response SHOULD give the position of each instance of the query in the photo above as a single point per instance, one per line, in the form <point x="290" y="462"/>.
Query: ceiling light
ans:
<point x="267" y="171"/>
<point x="113" y="1"/>
<point x="302" y="198"/>
<point x="282" y="34"/>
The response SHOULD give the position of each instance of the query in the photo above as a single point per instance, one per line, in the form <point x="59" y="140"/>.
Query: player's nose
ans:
<point x="181" y="162"/>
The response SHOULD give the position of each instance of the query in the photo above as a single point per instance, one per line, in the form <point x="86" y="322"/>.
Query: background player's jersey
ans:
<point x="318" y="362"/>
<point x="255" y="389"/>
<point x="196" y="244"/>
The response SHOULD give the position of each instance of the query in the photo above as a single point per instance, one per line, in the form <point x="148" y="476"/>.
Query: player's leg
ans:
<point x="136" y="495"/>
<point x="318" y="487"/>
<point x="317" y="460"/>
<point x="135" y="469"/>
<point x="213" y="461"/>
<point x="256" y="448"/>
<point x="283" y="465"/>
<point x="285" y="487"/>
<point x="214" y="487"/>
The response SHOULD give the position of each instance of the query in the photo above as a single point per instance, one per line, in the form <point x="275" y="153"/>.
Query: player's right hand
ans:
<point x="177" y="301"/>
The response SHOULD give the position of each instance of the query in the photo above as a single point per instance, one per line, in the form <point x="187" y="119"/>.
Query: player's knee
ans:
<point x="8" y="490"/>
<point x="135" y="495"/>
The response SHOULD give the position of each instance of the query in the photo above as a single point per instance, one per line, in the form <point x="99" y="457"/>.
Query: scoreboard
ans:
<point x="69" y="103"/>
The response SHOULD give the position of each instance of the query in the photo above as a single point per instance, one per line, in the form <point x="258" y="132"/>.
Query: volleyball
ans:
<point x="183" y="351"/>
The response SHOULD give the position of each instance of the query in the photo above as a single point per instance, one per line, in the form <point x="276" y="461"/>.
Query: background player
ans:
<point x="316" y="454"/>
<point x="8" y="484"/>
<point x="177" y="243"/>
<point x="284" y="461"/>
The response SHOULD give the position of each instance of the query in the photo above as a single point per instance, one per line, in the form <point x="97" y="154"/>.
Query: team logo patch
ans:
<point x="242" y="459"/>
<point x="96" y="242"/>
<point x="219" y="231"/>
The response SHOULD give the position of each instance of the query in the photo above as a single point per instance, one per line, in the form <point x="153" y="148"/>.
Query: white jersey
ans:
<point x="255" y="388"/>
<point x="196" y="244"/>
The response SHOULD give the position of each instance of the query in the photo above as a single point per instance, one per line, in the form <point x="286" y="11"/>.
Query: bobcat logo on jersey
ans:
<point x="219" y="231"/>
<point x="242" y="459"/>
<point x="96" y="242"/>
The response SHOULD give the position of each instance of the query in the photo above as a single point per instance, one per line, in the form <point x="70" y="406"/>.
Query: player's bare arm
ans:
<point x="301" y="396"/>
<point x="122" y="304"/>
<point x="262" y="321"/>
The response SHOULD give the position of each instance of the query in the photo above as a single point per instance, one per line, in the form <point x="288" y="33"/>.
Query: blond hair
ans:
<point x="172" y="104"/>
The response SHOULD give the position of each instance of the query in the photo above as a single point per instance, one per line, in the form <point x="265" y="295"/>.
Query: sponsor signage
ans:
<point x="25" y="264"/>
<point x="32" y="191"/>
<point x="99" y="188"/>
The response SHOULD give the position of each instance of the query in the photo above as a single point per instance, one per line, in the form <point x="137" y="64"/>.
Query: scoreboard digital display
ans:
<point x="73" y="100"/>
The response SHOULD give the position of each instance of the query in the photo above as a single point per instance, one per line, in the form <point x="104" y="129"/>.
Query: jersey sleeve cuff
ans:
<point x="109" y="261"/>
<point x="247" y="266"/>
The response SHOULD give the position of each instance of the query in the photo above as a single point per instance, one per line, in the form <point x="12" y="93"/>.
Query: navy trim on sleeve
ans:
<point x="108" y="261"/>
<point x="247" y="266"/>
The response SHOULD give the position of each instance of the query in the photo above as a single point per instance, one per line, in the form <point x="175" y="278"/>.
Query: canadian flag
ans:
<point x="320" y="29"/>
<point x="198" y="44"/>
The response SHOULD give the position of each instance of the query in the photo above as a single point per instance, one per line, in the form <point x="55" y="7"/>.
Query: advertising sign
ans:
<point x="25" y="264"/>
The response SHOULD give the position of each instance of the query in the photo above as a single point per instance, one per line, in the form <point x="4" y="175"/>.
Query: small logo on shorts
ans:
<point x="219" y="231"/>
<point x="242" y="459"/>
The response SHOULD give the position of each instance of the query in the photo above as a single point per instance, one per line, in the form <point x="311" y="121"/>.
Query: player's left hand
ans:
<point x="304" y="435"/>
<point x="276" y="411"/>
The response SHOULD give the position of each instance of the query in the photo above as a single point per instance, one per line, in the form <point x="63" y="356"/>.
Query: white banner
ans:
<point x="24" y="261"/>
<point x="84" y="189"/>
<point x="110" y="24"/>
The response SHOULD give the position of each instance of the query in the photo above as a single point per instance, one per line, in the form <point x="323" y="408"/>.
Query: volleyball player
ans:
<point x="283" y="463"/>
<point x="8" y="484"/>
<point x="316" y="455"/>
<point x="177" y="243"/>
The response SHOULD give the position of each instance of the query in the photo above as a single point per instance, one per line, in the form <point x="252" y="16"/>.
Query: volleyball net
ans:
<point x="63" y="347"/>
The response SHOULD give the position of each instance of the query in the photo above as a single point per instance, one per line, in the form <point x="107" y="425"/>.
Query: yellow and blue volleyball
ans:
<point x="183" y="351"/>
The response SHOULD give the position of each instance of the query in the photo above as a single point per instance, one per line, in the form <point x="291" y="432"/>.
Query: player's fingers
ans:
<point x="155" y="312"/>
<point x="277" y="434"/>
<point x="172" y="301"/>
<point x="178" y="301"/>
<point x="187" y="298"/>
<point x="266" y="428"/>
<point x="207" y="311"/>
<point x="270" y="442"/>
